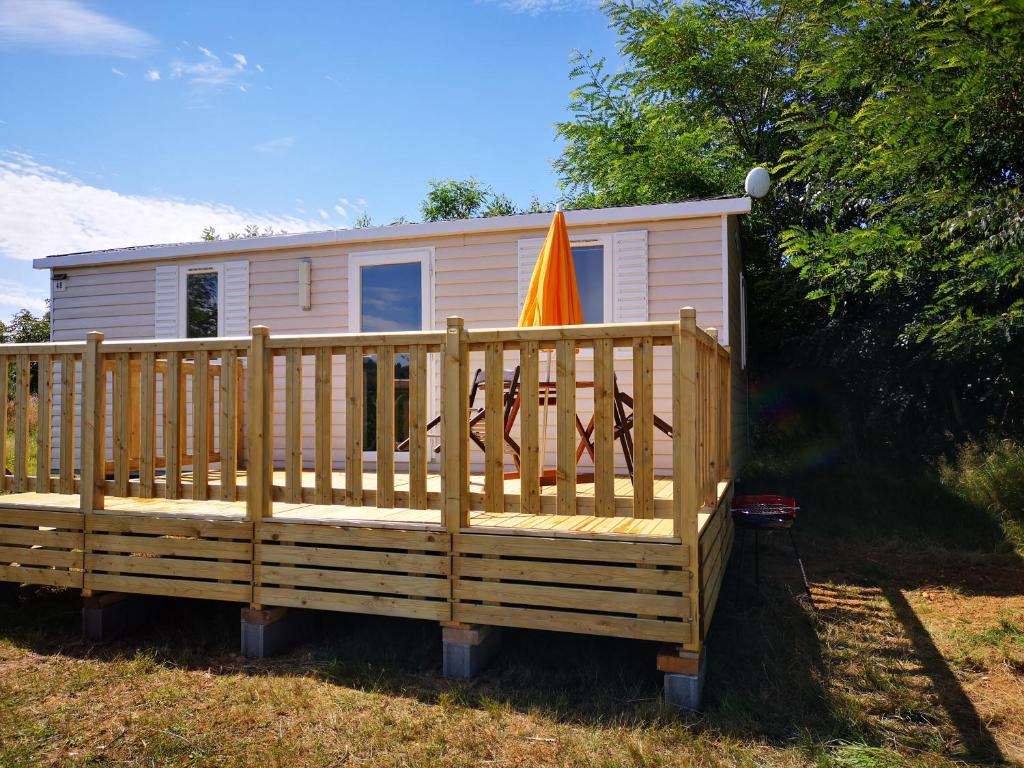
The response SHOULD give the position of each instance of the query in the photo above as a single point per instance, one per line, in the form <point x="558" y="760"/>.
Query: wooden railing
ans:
<point x="636" y="416"/>
<point x="55" y="369"/>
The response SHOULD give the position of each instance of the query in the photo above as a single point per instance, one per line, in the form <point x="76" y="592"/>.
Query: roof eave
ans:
<point x="585" y="217"/>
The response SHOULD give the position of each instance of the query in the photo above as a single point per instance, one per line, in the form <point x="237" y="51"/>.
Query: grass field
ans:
<point x="912" y="656"/>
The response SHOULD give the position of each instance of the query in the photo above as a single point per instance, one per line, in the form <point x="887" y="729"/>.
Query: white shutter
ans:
<point x="529" y="252"/>
<point x="630" y="277"/>
<point x="236" y="298"/>
<point x="166" y="303"/>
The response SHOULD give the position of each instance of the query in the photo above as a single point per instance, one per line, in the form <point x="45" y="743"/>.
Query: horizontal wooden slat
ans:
<point x="354" y="581"/>
<point x="45" y="576"/>
<point x="169" y="547"/>
<point x="56" y="558"/>
<point x="168" y="566"/>
<point x="148" y="585"/>
<point x="352" y="537"/>
<point x="71" y="521"/>
<point x="569" y="549"/>
<point x="566" y="621"/>
<point x="573" y="597"/>
<point x="351" y="559"/>
<point x="29" y="537"/>
<point x="572" y="573"/>
<point x="163" y="526"/>
<point x="332" y="601"/>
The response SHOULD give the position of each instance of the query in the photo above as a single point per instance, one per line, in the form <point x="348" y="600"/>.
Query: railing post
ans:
<point x="714" y="408"/>
<point x="94" y="430"/>
<point x="258" y="448"/>
<point x="685" y="494"/>
<point x="455" y="427"/>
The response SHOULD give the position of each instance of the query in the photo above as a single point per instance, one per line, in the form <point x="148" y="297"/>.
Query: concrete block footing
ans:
<point x="108" y="615"/>
<point x="685" y="689"/>
<point x="269" y="631"/>
<point x="468" y="649"/>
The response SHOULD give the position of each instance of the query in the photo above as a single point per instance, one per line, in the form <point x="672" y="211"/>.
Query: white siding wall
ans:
<point x="475" y="276"/>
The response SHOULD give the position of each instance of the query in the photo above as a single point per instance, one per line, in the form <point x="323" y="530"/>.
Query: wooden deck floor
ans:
<point x="551" y="525"/>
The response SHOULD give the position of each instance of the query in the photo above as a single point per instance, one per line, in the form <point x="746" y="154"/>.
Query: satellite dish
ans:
<point x="758" y="182"/>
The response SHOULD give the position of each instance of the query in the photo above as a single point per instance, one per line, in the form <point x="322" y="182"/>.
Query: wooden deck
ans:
<point x="151" y="511"/>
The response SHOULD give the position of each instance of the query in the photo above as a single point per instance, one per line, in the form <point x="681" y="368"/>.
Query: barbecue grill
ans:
<point x="765" y="512"/>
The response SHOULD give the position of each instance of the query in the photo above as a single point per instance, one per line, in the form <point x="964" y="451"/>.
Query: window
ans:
<point x="202" y="310"/>
<point x="390" y="291"/>
<point x="588" y="260"/>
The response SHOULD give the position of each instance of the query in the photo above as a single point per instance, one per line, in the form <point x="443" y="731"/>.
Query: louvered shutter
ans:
<point x="236" y="298"/>
<point x="165" y="325"/>
<point x="529" y="252"/>
<point x="630" y="277"/>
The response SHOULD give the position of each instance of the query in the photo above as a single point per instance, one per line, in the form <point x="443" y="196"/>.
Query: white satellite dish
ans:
<point x="758" y="182"/>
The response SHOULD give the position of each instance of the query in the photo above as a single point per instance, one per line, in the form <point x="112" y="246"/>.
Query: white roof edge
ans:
<point x="586" y="217"/>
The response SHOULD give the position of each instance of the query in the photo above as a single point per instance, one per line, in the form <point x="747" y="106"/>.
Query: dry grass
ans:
<point x="903" y="664"/>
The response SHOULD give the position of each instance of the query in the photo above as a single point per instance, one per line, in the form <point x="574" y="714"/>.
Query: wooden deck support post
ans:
<point x="455" y="427"/>
<point x="259" y="449"/>
<point x="684" y="679"/>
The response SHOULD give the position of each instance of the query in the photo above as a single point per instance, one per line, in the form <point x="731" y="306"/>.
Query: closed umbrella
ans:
<point x="553" y="297"/>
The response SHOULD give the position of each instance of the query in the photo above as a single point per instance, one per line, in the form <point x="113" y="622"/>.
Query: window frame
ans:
<point x="425" y="256"/>
<point x="183" y="272"/>
<point x="607" y="243"/>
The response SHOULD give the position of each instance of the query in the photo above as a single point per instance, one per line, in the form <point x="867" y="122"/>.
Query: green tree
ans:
<point x="26" y="328"/>
<point x="895" y="132"/>
<point x="463" y="199"/>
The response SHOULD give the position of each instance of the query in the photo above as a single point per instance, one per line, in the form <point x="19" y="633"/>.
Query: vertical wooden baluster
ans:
<point x="119" y="406"/>
<point x="494" y="427"/>
<point x="604" y="437"/>
<point x="172" y="425"/>
<point x="529" y="444"/>
<point x="386" y="427"/>
<point x="323" y="433"/>
<point x="21" y="393"/>
<point x="259" y="431"/>
<point x="44" y="435"/>
<point x="455" y="427"/>
<point x="643" y="428"/>
<point x="354" y="426"/>
<point x="293" y="425"/>
<point x="200" y="425"/>
<point x="67" y="423"/>
<point x="134" y="422"/>
<point x="417" y="427"/>
<point x="5" y="364"/>
<point x="565" y="406"/>
<point x="228" y="425"/>
<point x="147" y="424"/>
<point x="94" y="429"/>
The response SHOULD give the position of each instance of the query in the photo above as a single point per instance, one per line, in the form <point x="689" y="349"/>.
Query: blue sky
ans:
<point x="124" y="123"/>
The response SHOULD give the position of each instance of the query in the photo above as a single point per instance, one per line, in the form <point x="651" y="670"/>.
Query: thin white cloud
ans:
<point x="259" y="67"/>
<point x="44" y="211"/>
<point x="15" y="295"/>
<point x="212" y="73"/>
<point x="537" y="7"/>
<point x="323" y="214"/>
<point x="118" y="72"/>
<point x="68" y="27"/>
<point x="276" y="145"/>
<point x="152" y="75"/>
